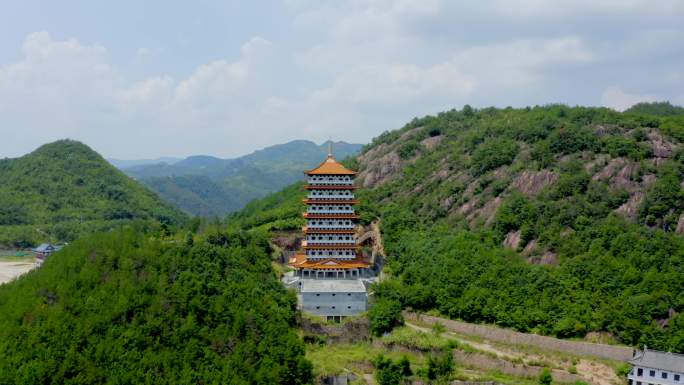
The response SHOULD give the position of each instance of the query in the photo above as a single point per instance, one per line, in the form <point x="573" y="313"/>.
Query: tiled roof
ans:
<point x="332" y="286"/>
<point x="300" y="261"/>
<point x="44" y="247"/>
<point x="330" y="166"/>
<point x="671" y="362"/>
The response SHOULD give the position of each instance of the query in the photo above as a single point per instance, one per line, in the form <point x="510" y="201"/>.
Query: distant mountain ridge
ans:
<point x="208" y="186"/>
<point x="65" y="189"/>
<point x="126" y="163"/>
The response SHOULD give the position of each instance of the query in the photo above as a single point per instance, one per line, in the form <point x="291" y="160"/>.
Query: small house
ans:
<point x="45" y="250"/>
<point x="652" y="367"/>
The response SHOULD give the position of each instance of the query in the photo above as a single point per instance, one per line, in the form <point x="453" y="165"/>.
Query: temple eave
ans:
<point x="300" y="262"/>
<point x="331" y="216"/>
<point x="339" y="202"/>
<point x="329" y="187"/>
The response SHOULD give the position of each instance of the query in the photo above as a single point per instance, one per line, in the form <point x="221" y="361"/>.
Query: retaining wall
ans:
<point x="492" y="333"/>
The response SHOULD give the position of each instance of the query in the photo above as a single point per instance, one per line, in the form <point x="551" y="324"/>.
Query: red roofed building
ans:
<point x="329" y="248"/>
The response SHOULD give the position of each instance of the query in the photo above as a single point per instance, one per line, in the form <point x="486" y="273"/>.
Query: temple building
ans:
<point x="329" y="246"/>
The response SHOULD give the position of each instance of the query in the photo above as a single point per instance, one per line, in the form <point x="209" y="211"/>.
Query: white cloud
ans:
<point x="617" y="99"/>
<point x="349" y="70"/>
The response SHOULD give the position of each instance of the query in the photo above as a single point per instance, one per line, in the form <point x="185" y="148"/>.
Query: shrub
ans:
<point x="626" y="147"/>
<point x="387" y="372"/>
<point x="666" y="195"/>
<point x="440" y="366"/>
<point x="384" y="315"/>
<point x="493" y="153"/>
<point x="569" y="140"/>
<point x="545" y="377"/>
<point x="570" y="184"/>
<point x="408" y="149"/>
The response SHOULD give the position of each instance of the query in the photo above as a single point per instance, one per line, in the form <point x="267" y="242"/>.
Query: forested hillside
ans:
<point x="63" y="190"/>
<point x="208" y="186"/>
<point x="127" y="307"/>
<point x="556" y="220"/>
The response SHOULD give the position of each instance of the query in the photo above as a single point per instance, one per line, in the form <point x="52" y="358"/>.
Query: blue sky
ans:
<point x="162" y="78"/>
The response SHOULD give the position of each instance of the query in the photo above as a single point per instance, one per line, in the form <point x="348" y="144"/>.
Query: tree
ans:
<point x="384" y="315"/>
<point x="440" y="366"/>
<point x="387" y="372"/>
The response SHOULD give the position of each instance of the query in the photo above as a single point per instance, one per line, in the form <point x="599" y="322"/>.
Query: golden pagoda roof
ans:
<point x="299" y="261"/>
<point x="330" y="166"/>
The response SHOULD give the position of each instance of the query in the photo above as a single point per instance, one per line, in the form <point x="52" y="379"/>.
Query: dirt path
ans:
<point x="12" y="269"/>
<point x="593" y="372"/>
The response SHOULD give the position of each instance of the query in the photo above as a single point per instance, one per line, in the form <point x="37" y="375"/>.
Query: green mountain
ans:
<point x="63" y="190"/>
<point x="554" y="220"/>
<point x="656" y="108"/>
<point x="128" y="307"/>
<point x="208" y="186"/>
<point x="124" y="163"/>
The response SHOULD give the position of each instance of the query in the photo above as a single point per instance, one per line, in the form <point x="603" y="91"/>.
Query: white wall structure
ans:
<point x="652" y="367"/>
<point x="333" y="298"/>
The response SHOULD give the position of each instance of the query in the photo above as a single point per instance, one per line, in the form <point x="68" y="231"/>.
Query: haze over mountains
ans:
<point x="208" y="186"/>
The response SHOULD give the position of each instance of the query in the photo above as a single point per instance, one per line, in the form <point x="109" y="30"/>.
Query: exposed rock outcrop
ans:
<point x="512" y="240"/>
<point x="532" y="183"/>
<point x="379" y="170"/>
<point x="680" y="225"/>
<point x="432" y="142"/>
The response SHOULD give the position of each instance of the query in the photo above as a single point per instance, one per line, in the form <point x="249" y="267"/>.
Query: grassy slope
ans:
<point x="64" y="189"/>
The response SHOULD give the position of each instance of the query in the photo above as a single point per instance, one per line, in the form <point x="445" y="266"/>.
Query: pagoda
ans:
<point x="329" y="246"/>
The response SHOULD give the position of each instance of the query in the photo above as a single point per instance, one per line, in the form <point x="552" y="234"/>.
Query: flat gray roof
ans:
<point x="332" y="286"/>
<point x="671" y="362"/>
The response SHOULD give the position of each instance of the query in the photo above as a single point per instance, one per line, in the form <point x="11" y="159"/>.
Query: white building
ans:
<point x="651" y="367"/>
<point x="333" y="299"/>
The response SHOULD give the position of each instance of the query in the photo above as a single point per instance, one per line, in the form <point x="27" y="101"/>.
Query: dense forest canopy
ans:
<point x="64" y="189"/>
<point x="126" y="307"/>
<point x="557" y="220"/>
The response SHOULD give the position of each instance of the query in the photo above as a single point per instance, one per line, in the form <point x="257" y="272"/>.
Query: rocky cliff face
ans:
<point x="465" y="167"/>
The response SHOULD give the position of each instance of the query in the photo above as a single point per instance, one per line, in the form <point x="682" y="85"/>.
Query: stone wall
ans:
<point x="613" y="352"/>
<point x="349" y="331"/>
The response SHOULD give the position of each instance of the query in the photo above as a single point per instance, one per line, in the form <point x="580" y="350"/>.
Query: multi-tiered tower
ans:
<point x="329" y="249"/>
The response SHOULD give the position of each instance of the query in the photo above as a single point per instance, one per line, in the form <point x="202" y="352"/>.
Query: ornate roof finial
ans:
<point x="330" y="149"/>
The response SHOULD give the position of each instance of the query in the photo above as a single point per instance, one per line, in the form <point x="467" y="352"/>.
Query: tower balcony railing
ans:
<point x="330" y="246"/>
<point x="330" y="187"/>
<point x="321" y="215"/>
<point x="329" y="228"/>
<point x="329" y="183"/>
<point x="336" y="201"/>
<point x="313" y="210"/>
<point x="334" y="256"/>
<point x="329" y="197"/>
<point x="334" y="242"/>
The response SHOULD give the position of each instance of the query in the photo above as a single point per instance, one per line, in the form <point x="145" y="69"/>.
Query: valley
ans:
<point x="212" y="187"/>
